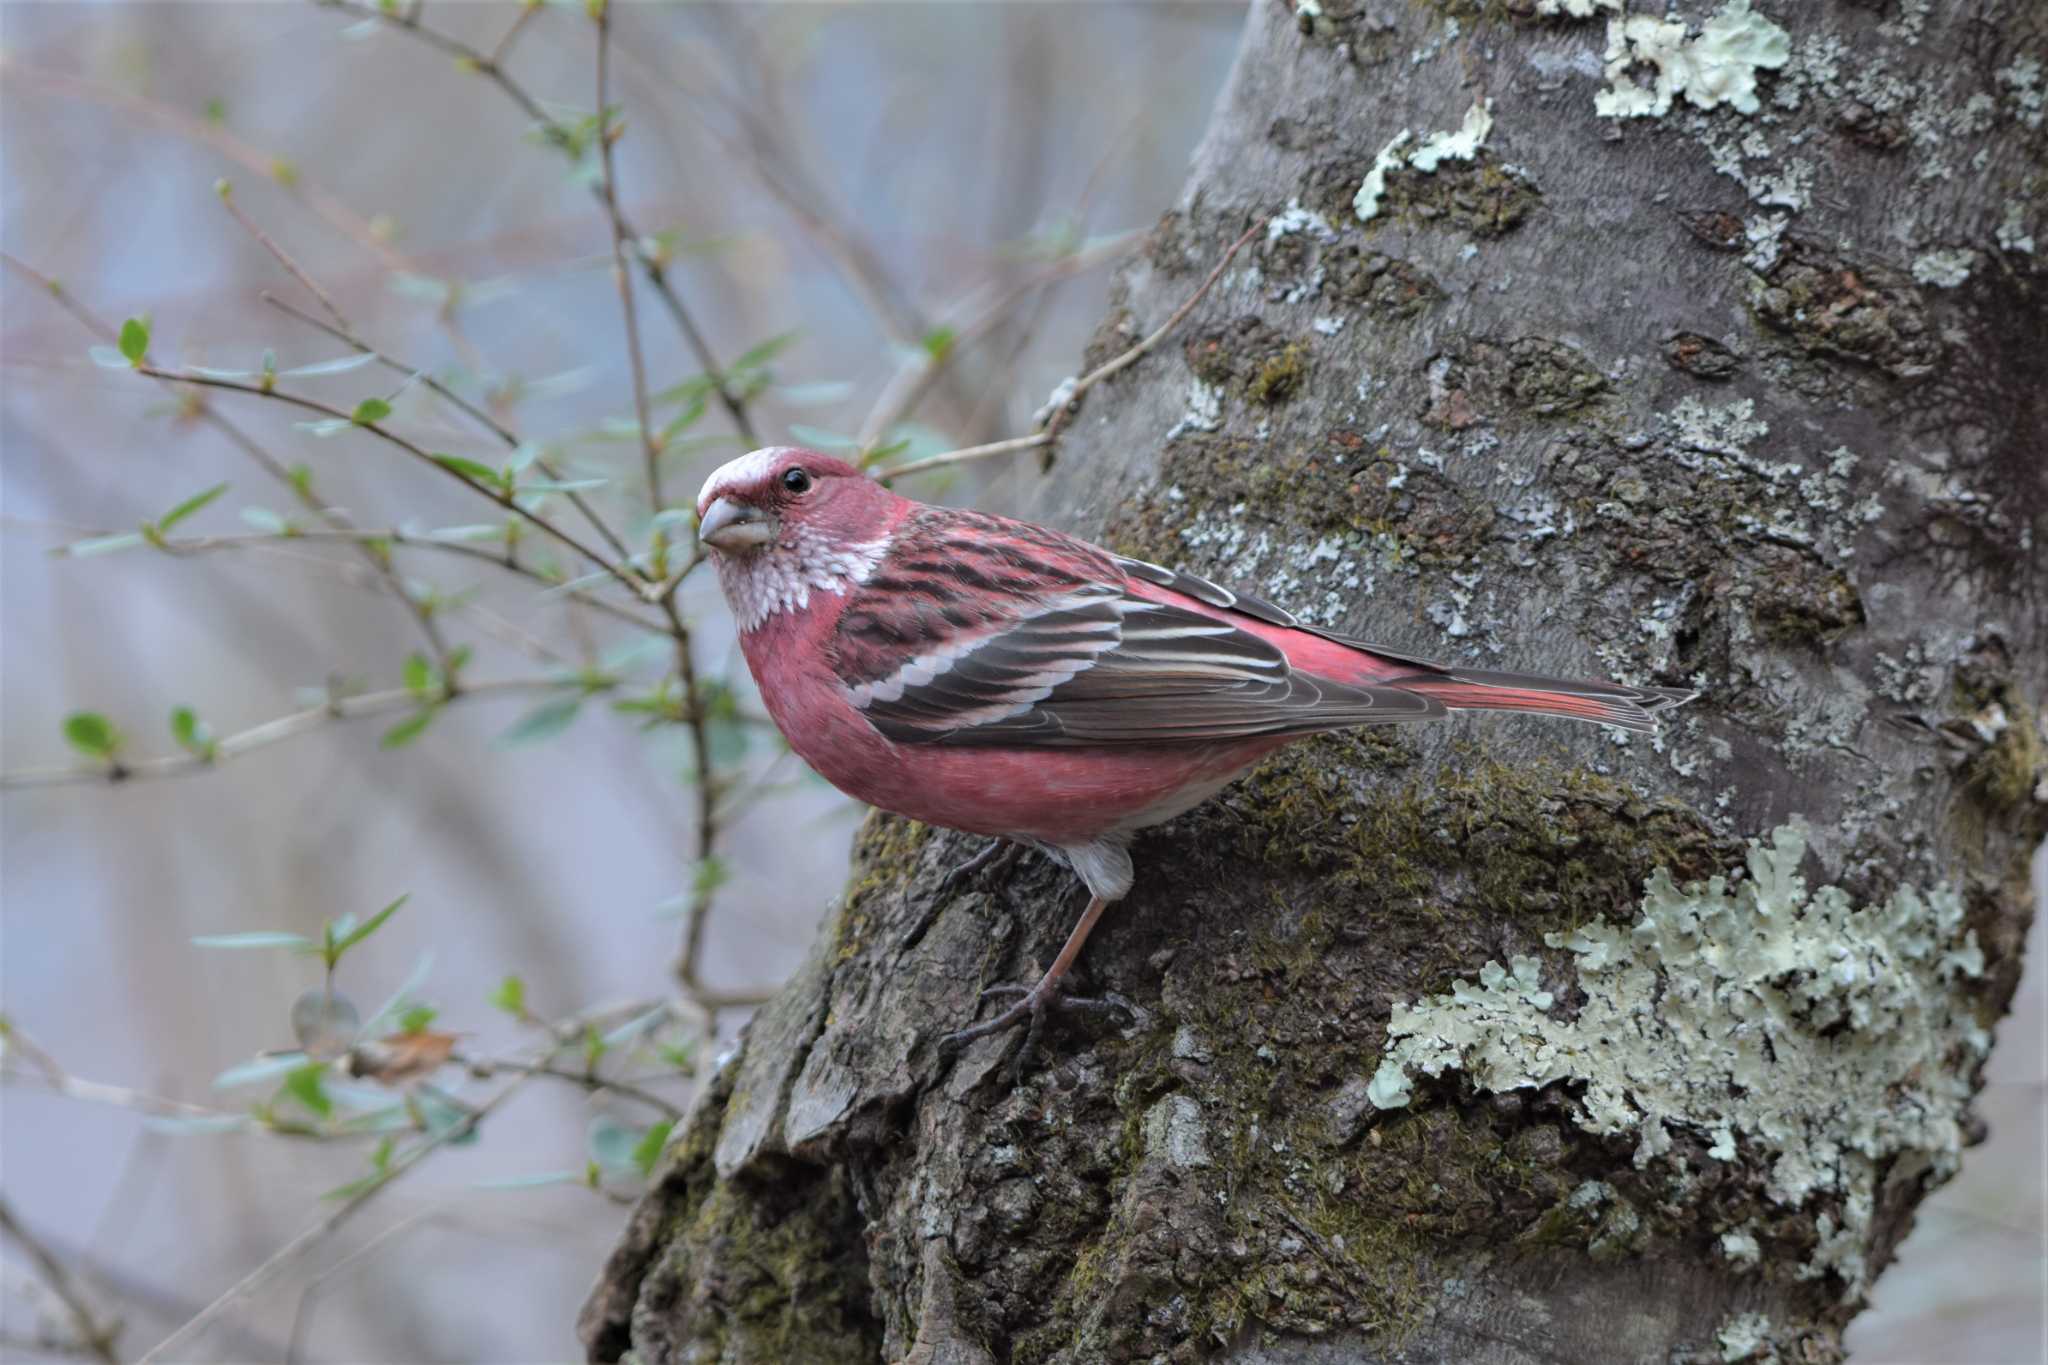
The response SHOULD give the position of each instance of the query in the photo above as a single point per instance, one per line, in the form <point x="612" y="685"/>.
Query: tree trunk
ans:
<point x="1441" y="1049"/>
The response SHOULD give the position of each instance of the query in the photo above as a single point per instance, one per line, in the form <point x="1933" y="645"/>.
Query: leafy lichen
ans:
<point x="1833" y="1040"/>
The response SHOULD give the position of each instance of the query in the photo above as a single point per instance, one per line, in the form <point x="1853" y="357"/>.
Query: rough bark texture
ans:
<point x="1694" y="396"/>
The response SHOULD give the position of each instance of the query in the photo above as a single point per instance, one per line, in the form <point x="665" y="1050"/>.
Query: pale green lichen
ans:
<point x="1715" y="67"/>
<point x="1746" y="1336"/>
<point x="1821" y="1036"/>
<point x="1944" y="269"/>
<point x="1433" y="151"/>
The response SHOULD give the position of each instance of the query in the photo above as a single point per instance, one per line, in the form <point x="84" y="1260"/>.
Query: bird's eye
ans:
<point x="796" y="480"/>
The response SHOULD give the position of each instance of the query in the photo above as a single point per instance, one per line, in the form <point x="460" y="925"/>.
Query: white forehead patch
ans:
<point x="749" y="468"/>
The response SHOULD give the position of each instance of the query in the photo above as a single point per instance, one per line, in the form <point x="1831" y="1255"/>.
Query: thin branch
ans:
<point x="279" y="170"/>
<point x="331" y="1223"/>
<point x="913" y="382"/>
<point x="98" y="1338"/>
<point x="364" y="704"/>
<point x="657" y="276"/>
<point x="1066" y="402"/>
<point x="426" y="457"/>
<point x="1113" y="366"/>
<point x="490" y="423"/>
<point x="301" y="488"/>
<point x="608" y="192"/>
<point x="484" y="1068"/>
<point x="561" y="1036"/>
<point x="226" y="191"/>
<point x="402" y="539"/>
<point x="702" y="888"/>
<point x="953" y="457"/>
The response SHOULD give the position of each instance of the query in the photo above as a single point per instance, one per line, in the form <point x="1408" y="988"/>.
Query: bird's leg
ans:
<point x="1033" y="1003"/>
<point x="1001" y="853"/>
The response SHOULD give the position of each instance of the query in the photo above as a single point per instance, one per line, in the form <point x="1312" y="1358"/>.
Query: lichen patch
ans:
<point x="1759" y="1015"/>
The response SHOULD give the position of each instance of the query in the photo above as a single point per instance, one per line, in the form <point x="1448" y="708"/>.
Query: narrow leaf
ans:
<point x="370" y="410"/>
<point x="189" y="506"/>
<point x="255" y="938"/>
<point x="368" y="927"/>
<point x="409" y="729"/>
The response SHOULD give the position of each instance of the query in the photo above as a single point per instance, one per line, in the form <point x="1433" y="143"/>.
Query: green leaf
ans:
<point x="370" y="410"/>
<point x="326" y="367"/>
<point x="193" y="734"/>
<point x="417" y="1018"/>
<point x="352" y="937"/>
<point x="304" y="1085"/>
<point x="103" y="545"/>
<point x="189" y="506"/>
<point x="545" y="721"/>
<point x="938" y="342"/>
<point x="92" y="734"/>
<point x="409" y="729"/>
<point x="765" y="352"/>
<point x="648" y="1150"/>
<point x="186" y="1125"/>
<point x="474" y="470"/>
<point x="418" y="675"/>
<point x="256" y="938"/>
<point x="510" y="996"/>
<point x="135" y="340"/>
<point x="259" y="1069"/>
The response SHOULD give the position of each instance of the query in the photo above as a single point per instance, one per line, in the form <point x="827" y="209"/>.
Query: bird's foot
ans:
<point x="1033" y="1004"/>
<point x="1001" y="854"/>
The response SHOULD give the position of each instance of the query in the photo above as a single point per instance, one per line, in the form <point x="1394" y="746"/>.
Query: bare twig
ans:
<point x="657" y="275"/>
<point x="388" y="702"/>
<point x="279" y="170"/>
<point x="1137" y="352"/>
<point x="953" y="457"/>
<point x="96" y="1337"/>
<point x="914" y="381"/>
<point x="226" y="190"/>
<point x="484" y="1068"/>
<point x="1065" y="404"/>
<point x="393" y="536"/>
<point x="608" y="192"/>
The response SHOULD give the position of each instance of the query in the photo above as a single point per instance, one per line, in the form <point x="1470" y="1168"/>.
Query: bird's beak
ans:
<point x="734" y="526"/>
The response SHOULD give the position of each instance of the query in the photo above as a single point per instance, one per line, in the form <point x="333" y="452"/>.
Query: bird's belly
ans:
<point x="1054" y="795"/>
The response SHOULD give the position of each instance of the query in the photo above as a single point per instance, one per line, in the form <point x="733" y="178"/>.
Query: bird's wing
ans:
<point x="979" y="630"/>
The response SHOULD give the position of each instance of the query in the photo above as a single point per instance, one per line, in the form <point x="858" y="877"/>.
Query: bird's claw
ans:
<point x="1033" y="1004"/>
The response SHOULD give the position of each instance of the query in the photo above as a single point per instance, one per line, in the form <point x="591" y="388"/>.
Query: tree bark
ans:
<point x="1435" y="1056"/>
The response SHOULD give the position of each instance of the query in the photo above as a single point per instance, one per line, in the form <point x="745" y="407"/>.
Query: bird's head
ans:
<point x="783" y="521"/>
<point x="771" y="498"/>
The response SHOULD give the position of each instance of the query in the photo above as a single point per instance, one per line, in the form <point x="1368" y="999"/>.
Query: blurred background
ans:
<point x="844" y="197"/>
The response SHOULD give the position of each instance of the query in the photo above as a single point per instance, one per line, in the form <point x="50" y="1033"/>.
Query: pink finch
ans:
<point x="1002" y="678"/>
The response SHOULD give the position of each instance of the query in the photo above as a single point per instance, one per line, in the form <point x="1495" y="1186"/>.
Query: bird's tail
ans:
<point x="1604" y="703"/>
